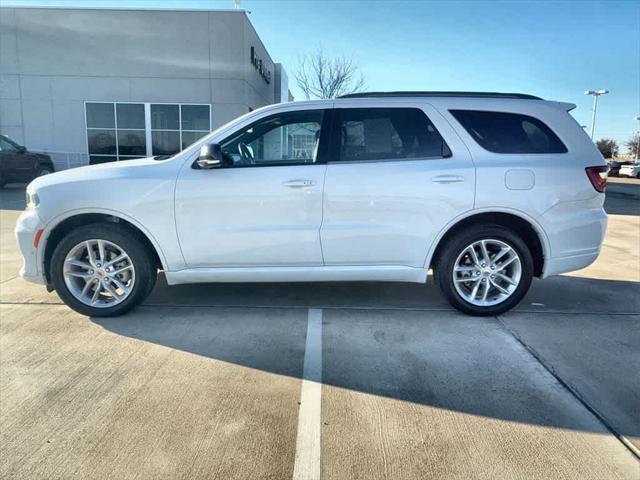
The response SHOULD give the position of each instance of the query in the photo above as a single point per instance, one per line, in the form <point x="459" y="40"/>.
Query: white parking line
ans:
<point x="307" y="462"/>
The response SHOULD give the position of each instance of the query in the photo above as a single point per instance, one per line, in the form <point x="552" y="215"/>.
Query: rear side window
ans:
<point x="387" y="134"/>
<point x="502" y="132"/>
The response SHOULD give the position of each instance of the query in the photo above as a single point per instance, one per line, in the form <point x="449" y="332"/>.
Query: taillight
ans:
<point x="598" y="177"/>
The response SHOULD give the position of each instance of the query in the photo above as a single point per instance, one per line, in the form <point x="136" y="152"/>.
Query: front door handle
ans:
<point x="448" y="179"/>
<point x="299" y="183"/>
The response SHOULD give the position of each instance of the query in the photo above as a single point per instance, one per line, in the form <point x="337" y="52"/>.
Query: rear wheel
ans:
<point x="102" y="270"/>
<point x="484" y="270"/>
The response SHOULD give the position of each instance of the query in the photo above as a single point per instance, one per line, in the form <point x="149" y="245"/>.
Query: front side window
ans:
<point x="388" y="134"/>
<point x="283" y="139"/>
<point x="7" y="146"/>
<point x="502" y="132"/>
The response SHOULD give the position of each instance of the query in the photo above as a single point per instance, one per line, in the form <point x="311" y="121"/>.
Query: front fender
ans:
<point x="56" y="221"/>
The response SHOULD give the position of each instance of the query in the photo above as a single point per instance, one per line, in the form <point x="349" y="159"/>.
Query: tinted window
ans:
<point x="100" y="115"/>
<point x="102" y="141"/>
<point x="287" y="138"/>
<point x="195" y="117"/>
<point x="130" y="115"/>
<point x="165" y="117"/>
<point x="191" y="137"/>
<point x="7" y="146"/>
<point x="388" y="134"/>
<point x="165" y="142"/>
<point x="121" y="131"/>
<point x="131" y="142"/>
<point x="501" y="132"/>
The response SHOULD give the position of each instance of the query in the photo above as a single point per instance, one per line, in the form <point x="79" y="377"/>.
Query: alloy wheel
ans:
<point x="99" y="273"/>
<point x="487" y="272"/>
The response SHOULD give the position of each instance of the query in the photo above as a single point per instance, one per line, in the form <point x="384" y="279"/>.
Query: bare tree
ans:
<point x="319" y="76"/>
<point x="633" y="144"/>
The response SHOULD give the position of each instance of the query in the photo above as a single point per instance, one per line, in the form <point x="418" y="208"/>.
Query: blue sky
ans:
<point x="555" y="50"/>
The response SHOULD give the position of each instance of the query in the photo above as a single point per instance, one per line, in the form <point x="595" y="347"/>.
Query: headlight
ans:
<point x="32" y="200"/>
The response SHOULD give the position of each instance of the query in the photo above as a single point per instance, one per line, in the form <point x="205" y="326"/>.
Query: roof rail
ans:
<point x="521" y="96"/>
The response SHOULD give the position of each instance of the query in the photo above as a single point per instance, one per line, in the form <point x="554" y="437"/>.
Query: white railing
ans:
<point x="64" y="160"/>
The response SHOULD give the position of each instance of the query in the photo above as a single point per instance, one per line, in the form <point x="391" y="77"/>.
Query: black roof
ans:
<point x="521" y="96"/>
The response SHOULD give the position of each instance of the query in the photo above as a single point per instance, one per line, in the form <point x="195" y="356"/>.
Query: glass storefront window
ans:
<point x="130" y="115"/>
<point x="123" y="131"/>
<point x="191" y="137"/>
<point x="195" y="117"/>
<point x="131" y="142"/>
<point x="95" y="159"/>
<point x="102" y="142"/>
<point x="165" y="117"/>
<point x="100" y="115"/>
<point x="165" y="142"/>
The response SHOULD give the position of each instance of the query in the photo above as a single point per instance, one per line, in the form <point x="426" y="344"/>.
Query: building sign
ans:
<point x="259" y="65"/>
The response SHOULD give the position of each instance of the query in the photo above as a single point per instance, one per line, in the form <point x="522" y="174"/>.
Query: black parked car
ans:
<point x="17" y="165"/>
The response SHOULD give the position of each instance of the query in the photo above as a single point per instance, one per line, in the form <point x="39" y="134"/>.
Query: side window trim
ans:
<point x="325" y="133"/>
<point x="336" y="138"/>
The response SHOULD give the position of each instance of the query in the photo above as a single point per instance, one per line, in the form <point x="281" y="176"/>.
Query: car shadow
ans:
<point x="427" y="355"/>
<point x="562" y="293"/>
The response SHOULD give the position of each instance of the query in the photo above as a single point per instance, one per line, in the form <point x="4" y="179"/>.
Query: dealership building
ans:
<point x="98" y="85"/>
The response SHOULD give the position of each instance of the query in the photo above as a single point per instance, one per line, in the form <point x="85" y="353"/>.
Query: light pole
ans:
<point x="596" y="94"/>
<point x="637" y="139"/>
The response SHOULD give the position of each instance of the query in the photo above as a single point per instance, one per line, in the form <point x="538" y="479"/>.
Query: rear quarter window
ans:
<point x="502" y="132"/>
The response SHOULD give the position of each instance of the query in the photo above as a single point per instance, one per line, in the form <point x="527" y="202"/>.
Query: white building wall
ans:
<point x="53" y="60"/>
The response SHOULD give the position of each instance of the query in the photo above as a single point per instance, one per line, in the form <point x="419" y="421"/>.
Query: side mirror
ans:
<point x="21" y="149"/>
<point x="210" y="156"/>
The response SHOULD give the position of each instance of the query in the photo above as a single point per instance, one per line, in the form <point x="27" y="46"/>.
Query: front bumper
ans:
<point x="26" y="229"/>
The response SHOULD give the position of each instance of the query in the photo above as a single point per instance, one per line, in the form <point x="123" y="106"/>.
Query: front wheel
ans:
<point x="484" y="270"/>
<point x="42" y="171"/>
<point x="102" y="270"/>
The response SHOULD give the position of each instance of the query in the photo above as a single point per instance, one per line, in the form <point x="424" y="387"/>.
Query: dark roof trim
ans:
<point x="521" y="96"/>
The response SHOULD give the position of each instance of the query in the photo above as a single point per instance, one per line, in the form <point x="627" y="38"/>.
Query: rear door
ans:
<point x="393" y="182"/>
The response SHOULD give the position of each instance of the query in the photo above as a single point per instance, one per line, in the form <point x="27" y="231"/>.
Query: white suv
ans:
<point x="487" y="189"/>
<point x="630" y="170"/>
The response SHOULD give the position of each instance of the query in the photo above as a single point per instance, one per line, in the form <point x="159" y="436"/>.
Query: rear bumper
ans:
<point x="556" y="266"/>
<point x="575" y="236"/>
<point x="26" y="228"/>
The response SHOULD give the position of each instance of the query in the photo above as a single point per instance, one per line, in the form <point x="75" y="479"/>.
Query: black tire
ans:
<point x="43" y="170"/>
<point x="443" y="268"/>
<point x="130" y="241"/>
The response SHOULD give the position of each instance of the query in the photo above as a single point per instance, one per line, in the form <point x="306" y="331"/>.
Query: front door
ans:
<point x="392" y="184"/>
<point x="263" y="207"/>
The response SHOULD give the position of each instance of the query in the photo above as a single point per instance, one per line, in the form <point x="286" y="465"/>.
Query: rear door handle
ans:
<point x="299" y="183"/>
<point x="448" y="179"/>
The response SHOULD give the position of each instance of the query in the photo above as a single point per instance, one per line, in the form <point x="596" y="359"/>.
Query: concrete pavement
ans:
<point x="204" y="381"/>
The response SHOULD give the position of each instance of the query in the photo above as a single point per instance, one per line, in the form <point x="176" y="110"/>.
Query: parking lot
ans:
<point x="338" y="380"/>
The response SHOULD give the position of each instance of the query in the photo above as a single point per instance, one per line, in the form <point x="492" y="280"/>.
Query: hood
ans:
<point x="102" y="171"/>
